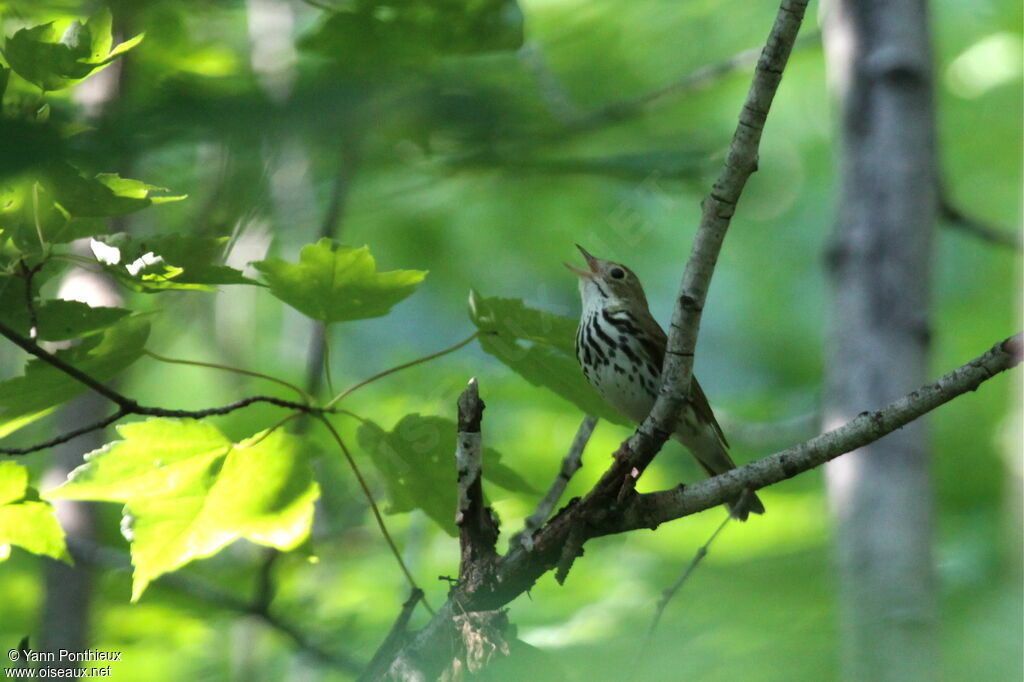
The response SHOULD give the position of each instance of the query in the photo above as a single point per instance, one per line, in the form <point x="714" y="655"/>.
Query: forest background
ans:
<point x="479" y="142"/>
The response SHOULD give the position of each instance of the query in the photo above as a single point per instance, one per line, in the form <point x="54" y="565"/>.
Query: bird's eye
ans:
<point x="617" y="273"/>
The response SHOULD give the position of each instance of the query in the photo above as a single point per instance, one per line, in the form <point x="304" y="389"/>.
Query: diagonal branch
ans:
<point x="652" y="509"/>
<point x="674" y="588"/>
<point x="702" y="77"/>
<point x="570" y="465"/>
<point x="519" y="569"/>
<point x="957" y="218"/>
<point x="718" y="208"/>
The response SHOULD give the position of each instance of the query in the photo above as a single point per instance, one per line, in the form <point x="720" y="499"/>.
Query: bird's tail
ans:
<point x="709" y="450"/>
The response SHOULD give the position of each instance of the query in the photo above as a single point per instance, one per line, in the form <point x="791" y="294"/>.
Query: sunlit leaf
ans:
<point x="334" y="283"/>
<point x="538" y="346"/>
<point x="26" y="398"/>
<point x="166" y="262"/>
<point x="25" y="521"/>
<point x="13" y="482"/>
<point x="51" y="61"/>
<point x="417" y="461"/>
<point x="189" y="491"/>
<point x="106" y="194"/>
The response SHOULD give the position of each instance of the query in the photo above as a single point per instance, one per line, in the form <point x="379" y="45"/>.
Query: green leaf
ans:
<point x="56" y="319"/>
<point x="104" y="195"/>
<point x="53" y="62"/>
<point x="539" y="347"/>
<point x="61" y="320"/>
<point x="19" y="215"/>
<point x="511" y="318"/>
<point x="5" y="76"/>
<point x="168" y="262"/>
<point x="13" y="482"/>
<point x="376" y="37"/>
<point x="43" y="387"/>
<point x="189" y="491"/>
<point x="334" y="283"/>
<point x="417" y="461"/>
<point x="24" y="520"/>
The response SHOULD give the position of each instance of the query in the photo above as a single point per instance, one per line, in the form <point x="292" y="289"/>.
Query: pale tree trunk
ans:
<point x="879" y="64"/>
<point x="65" y="621"/>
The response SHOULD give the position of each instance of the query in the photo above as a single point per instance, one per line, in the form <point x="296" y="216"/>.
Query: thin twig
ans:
<point x="571" y="463"/>
<point x="35" y="211"/>
<point x="70" y="435"/>
<point x="412" y="363"/>
<point x="669" y="593"/>
<point x="305" y="397"/>
<point x="267" y="432"/>
<point x="326" y="361"/>
<point x="128" y="405"/>
<point x="697" y="79"/>
<point x="373" y="507"/>
<point x="29" y="274"/>
<point x="33" y="348"/>
<point x="971" y="225"/>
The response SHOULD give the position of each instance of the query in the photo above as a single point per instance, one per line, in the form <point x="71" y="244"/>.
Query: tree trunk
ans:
<point x="881" y="497"/>
<point x="65" y="618"/>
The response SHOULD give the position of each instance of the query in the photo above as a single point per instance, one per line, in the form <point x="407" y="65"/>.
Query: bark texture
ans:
<point x="881" y="496"/>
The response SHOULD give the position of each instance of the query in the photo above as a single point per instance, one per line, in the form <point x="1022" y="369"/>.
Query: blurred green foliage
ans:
<point x="479" y="140"/>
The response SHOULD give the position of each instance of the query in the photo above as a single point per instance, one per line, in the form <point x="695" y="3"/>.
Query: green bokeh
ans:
<point x="444" y="149"/>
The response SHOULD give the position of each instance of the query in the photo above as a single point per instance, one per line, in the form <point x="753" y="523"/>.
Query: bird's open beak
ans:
<point x="591" y="263"/>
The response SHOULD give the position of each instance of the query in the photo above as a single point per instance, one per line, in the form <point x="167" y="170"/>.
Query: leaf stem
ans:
<point x="306" y="398"/>
<point x="374" y="508"/>
<point x="381" y="375"/>
<point x="275" y="427"/>
<point x="327" y="360"/>
<point x="35" y="211"/>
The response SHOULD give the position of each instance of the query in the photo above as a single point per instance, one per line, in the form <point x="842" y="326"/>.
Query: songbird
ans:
<point x="620" y="347"/>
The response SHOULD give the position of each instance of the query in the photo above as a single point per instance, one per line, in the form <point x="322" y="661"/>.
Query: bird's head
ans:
<point x="607" y="284"/>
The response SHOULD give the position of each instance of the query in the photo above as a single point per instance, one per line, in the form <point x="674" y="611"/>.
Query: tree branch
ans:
<point x="478" y="527"/>
<point x="672" y="590"/>
<point x="955" y="217"/>
<point x="697" y="79"/>
<point x="594" y="516"/>
<point x="127" y="405"/>
<point x="652" y="509"/>
<point x="65" y="437"/>
<point x="718" y="208"/>
<point x="570" y="465"/>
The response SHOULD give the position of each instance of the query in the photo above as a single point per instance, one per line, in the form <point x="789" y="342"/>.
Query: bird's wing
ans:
<point x="654" y="343"/>
<point x="702" y="407"/>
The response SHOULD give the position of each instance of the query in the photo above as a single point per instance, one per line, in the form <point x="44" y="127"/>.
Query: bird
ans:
<point x="620" y="347"/>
